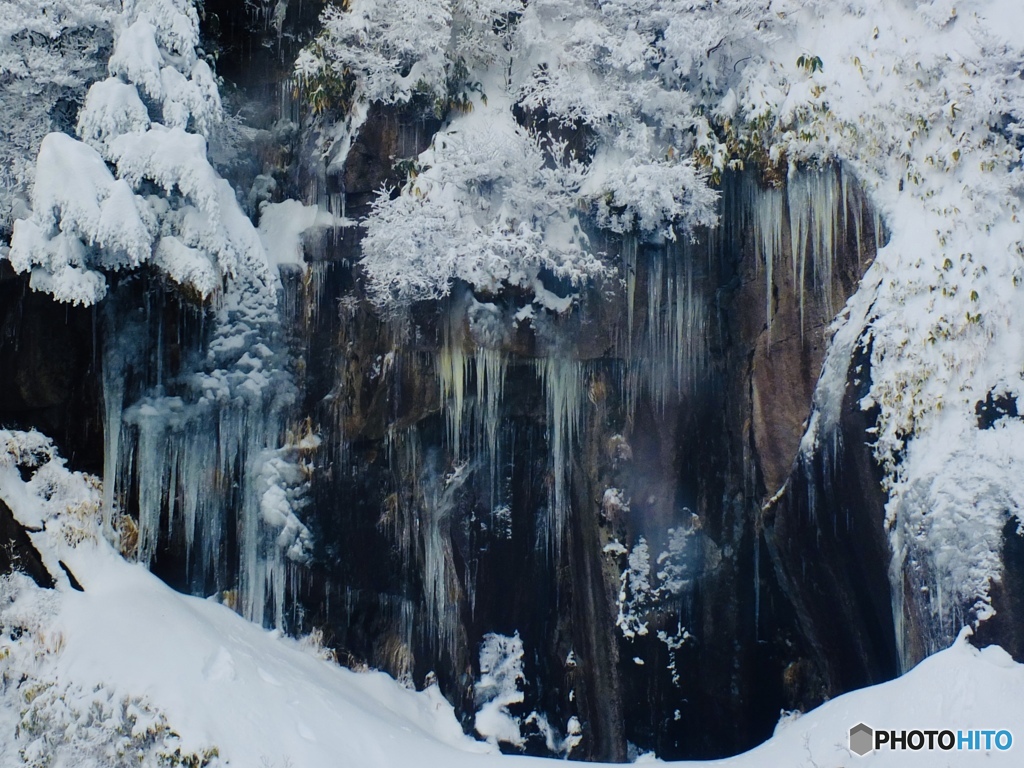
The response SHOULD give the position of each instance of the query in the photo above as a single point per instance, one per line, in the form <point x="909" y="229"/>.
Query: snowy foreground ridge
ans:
<point x="129" y="670"/>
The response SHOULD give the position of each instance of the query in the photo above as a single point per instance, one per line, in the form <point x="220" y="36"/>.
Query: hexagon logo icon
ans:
<point x="862" y="739"/>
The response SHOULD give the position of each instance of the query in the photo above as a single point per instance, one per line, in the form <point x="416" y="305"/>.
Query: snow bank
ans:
<point x="128" y="667"/>
<point x="256" y="696"/>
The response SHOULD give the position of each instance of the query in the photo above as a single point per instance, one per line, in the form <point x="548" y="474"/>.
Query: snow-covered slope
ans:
<point x="129" y="672"/>
<point x="261" y="699"/>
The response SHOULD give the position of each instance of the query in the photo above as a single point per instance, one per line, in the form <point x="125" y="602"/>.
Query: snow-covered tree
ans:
<point x="136" y="186"/>
<point x="50" y="52"/>
<point x="486" y="208"/>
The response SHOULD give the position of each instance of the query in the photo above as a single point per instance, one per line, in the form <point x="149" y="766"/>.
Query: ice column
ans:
<point x="813" y="198"/>
<point x="564" y="386"/>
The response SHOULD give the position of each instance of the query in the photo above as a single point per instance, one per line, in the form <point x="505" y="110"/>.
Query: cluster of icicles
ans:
<point x="205" y="460"/>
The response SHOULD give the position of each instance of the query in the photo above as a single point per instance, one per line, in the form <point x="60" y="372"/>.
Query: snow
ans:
<point x="499" y="686"/>
<point x="282" y="226"/>
<point x="186" y="266"/>
<point x="71" y="179"/>
<point x="172" y="158"/>
<point x="279" y="702"/>
<point x="171" y="672"/>
<point x="138" y="60"/>
<point x="112" y="107"/>
<point x="257" y="696"/>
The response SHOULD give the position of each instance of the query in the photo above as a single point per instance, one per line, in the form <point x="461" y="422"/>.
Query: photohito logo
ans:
<point x="865" y="739"/>
<point x="861" y="739"/>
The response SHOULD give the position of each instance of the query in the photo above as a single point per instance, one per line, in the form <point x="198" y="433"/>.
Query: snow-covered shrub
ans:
<point x="315" y="645"/>
<point x="377" y="51"/>
<point x="43" y="493"/>
<point x="501" y="675"/>
<point x="98" y="728"/>
<point x="497" y="200"/>
<point x="485" y="208"/>
<point x="55" y="723"/>
<point x="369" y="51"/>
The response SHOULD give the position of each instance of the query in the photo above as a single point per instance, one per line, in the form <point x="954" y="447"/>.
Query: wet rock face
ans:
<point x="832" y="553"/>
<point x="388" y="137"/>
<point x="674" y="429"/>
<point x="682" y="428"/>
<point x="474" y="480"/>
<point x="17" y="552"/>
<point x="48" y="370"/>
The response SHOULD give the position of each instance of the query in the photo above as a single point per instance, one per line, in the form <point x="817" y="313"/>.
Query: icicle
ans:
<point x="196" y="459"/>
<point x="825" y="226"/>
<point x="452" y="369"/>
<point x="288" y="106"/>
<point x="897" y="579"/>
<point x="423" y="525"/>
<point x="757" y="584"/>
<point x="113" y="405"/>
<point x="563" y="383"/>
<point x="813" y="221"/>
<point x="691" y="328"/>
<point x="844" y="181"/>
<point x="798" y="226"/>
<point x="655" y="348"/>
<point x="151" y="447"/>
<point x="403" y="463"/>
<point x="629" y="264"/>
<point x="316" y="278"/>
<point x="857" y="212"/>
<point x="490" y="367"/>
<point x="765" y="206"/>
<point x="669" y="349"/>
<point x="452" y="364"/>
